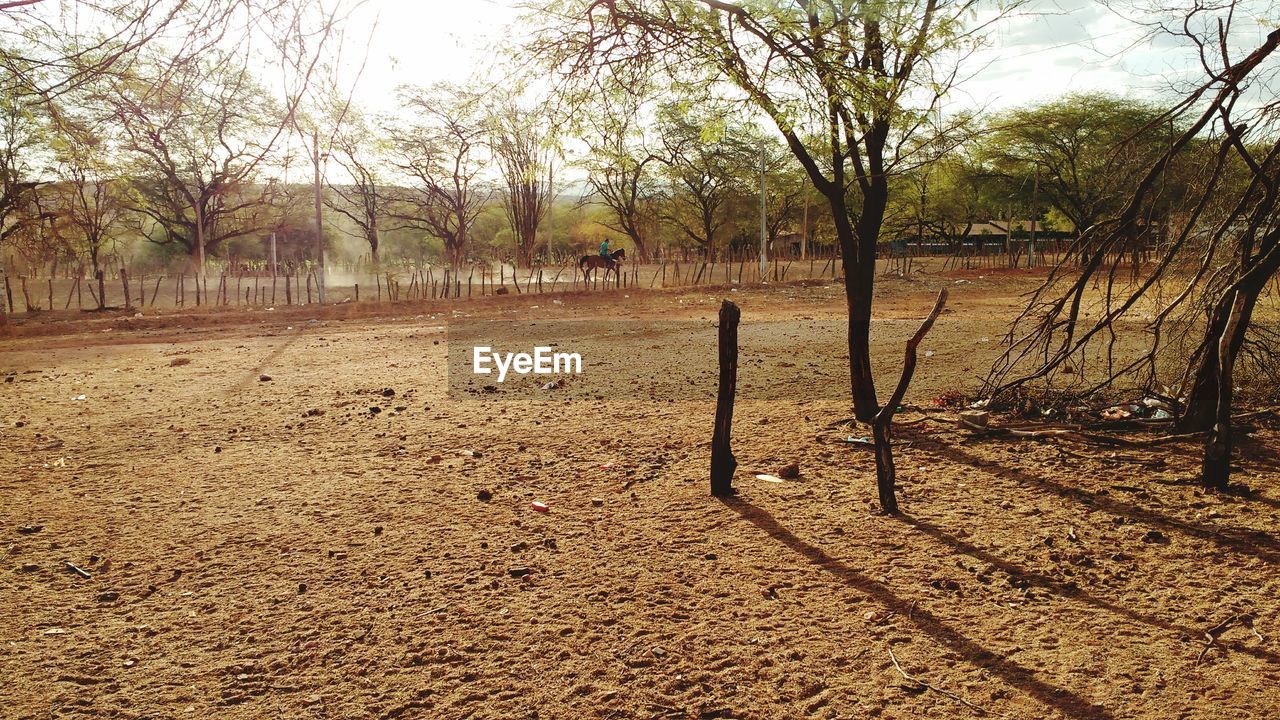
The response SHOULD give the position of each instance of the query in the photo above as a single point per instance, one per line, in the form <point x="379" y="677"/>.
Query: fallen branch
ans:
<point x="1113" y="458"/>
<point x="925" y="685"/>
<point x="1213" y="633"/>
<point x="1077" y="435"/>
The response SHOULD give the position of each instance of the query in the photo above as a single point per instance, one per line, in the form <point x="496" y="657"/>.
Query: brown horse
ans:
<point x="595" y="262"/>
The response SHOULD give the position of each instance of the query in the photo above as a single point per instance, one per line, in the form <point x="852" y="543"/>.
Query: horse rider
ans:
<point x="604" y="253"/>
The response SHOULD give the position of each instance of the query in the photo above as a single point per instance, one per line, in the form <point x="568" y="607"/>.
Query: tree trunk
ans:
<point x="524" y="250"/>
<point x="1216" y="470"/>
<point x="642" y="251"/>
<point x="1201" y="409"/>
<point x="859" y="277"/>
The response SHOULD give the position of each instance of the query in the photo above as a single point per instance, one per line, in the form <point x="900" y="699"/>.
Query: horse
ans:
<point x="595" y="262"/>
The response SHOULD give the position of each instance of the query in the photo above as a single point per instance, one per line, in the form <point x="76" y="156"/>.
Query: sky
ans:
<point x="1049" y="48"/>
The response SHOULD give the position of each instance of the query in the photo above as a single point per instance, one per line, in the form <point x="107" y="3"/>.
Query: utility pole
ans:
<point x="924" y="192"/>
<point x="315" y="159"/>
<point x="1035" y="211"/>
<point x="764" y="251"/>
<point x="804" y="230"/>
<point x="273" y="254"/>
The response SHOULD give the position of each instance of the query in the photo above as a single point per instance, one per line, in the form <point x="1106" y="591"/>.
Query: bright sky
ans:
<point x="1051" y="48"/>
<point x="421" y="42"/>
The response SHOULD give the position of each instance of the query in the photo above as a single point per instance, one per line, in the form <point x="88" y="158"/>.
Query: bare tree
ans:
<point x="525" y="146"/>
<point x="89" y="199"/>
<point x="1218" y="257"/>
<point x="52" y="50"/>
<point x="441" y="156"/>
<point x="364" y="200"/>
<point x="198" y="140"/>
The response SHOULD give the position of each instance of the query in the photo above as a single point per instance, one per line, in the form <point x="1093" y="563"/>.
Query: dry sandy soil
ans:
<point x="280" y="549"/>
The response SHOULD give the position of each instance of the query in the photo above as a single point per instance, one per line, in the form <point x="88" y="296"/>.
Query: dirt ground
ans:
<point x="354" y="537"/>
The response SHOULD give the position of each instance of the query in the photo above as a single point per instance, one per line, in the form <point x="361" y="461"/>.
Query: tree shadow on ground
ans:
<point x="1068" y="590"/>
<point x="1254" y="543"/>
<point x="1061" y="699"/>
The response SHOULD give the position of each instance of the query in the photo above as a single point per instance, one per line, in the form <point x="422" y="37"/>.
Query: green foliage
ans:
<point x="1089" y="151"/>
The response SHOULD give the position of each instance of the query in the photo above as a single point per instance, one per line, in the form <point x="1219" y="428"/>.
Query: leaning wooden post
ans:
<point x="723" y="463"/>
<point x="886" y="476"/>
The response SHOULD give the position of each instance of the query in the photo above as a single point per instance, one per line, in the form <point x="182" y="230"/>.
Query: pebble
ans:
<point x="518" y="572"/>
<point x="484" y="496"/>
<point x="264" y="378"/>
<point x="789" y="472"/>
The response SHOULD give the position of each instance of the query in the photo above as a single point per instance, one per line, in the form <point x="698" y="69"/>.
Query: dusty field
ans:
<point x="278" y="549"/>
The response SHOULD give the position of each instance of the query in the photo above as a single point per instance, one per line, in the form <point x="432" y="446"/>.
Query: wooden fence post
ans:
<point x="723" y="463"/>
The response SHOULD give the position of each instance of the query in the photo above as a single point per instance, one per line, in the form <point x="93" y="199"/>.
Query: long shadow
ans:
<point x="251" y="377"/>
<point x="1253" y="451"/>
<point x="1256" y="543"/>
<point x="1070" y="591"/>
<point x="1011" y="672"/>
